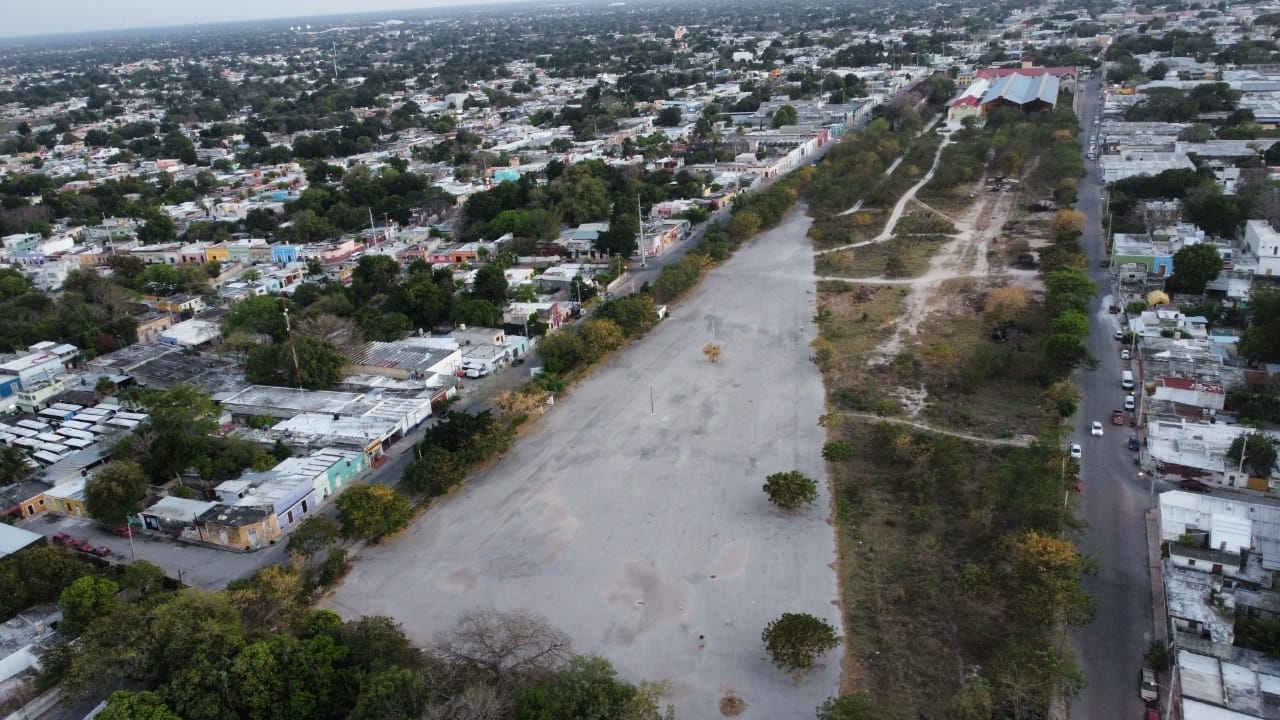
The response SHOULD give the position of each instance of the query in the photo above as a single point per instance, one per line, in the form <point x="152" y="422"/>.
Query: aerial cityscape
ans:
<point x="640" y="360"/>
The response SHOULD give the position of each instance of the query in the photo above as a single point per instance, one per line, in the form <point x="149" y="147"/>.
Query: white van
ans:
<point x="1126" y="380"/>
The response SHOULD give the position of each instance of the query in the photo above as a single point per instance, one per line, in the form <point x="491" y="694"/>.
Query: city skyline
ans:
<point x="78" y="16"/>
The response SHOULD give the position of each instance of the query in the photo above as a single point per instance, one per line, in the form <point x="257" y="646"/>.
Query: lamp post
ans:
<point x="1151" y="489"/>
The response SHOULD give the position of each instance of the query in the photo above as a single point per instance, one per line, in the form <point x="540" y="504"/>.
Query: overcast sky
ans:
<point x="62" y="16"/>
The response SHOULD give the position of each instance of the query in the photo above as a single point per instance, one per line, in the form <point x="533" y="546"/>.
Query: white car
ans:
<point x="1124" y="354"/>
<point x="1096" y="428"/>
<point x="1076" y="451"/>
<point x="1128" y="402"/>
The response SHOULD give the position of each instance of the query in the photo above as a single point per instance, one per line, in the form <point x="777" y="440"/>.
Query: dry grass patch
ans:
<point x="899" y="257"/>
<point x="854" y="320"/>
<point x="900" y="615"/>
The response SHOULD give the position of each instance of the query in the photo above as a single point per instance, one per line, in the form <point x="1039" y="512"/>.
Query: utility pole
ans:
<point x="643" y="261"/>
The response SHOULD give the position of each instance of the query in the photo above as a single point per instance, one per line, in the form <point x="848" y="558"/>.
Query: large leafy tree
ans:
<point x="317" y="365"/>
<point x="1258" y="450"/>
<point x="13" y="465"/>
<point x="258" y="314"/>
<point x="490" y="283"/>
<point x="115" y="491"/>
<point x="371" y="512"/>
<point x="795" y="641"/>
<point x="1260" y="342"/>
<point x="85" y="600"/>
<point x="312" y="535"/>
<point x="1194" y="266"/>
<point x="790" y="490"/>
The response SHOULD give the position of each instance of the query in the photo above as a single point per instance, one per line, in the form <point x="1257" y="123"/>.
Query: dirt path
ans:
<point x="898" y="208"/>
<point x="1006" y="442"/>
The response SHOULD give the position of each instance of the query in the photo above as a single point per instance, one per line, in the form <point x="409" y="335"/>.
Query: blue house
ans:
<point x="284" y="254"/>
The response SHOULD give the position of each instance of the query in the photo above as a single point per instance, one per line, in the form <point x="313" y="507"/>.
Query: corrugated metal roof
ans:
<point x="1022" y="89"/>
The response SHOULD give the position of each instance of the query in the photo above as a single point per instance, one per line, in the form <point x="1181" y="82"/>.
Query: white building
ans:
<point x="1263" y="243"/>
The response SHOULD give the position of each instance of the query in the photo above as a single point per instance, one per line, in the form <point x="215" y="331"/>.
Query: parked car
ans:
<point x="1193" y="485"/>
<point x="1147" y="686"/>
<point x="1124" y="354"/>
<point x="122" y="531"/>
<point x="1117" y="417"/>
<point x="517" y="362"/>
<point x="64" y="539"/>
<point x="1096" y="429"/>
<point x="1133" y="443"/>
<point x="1129" y="403"/>
<point x="1076" y="451"/>
<point x="1152" y="714"/>
<point x="99" y="550"/>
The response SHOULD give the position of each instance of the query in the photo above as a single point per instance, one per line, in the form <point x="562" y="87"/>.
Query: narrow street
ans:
<point x="1114" y="500"/>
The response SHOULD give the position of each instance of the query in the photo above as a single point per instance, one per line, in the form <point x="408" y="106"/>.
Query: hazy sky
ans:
<point x="60" y="16"/>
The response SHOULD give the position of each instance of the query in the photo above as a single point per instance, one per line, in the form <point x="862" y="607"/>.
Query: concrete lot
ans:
<point x="633" y="515"/>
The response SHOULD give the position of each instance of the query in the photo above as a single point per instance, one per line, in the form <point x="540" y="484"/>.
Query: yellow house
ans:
<point x="67" y="499"/>
<point x="217" y="252"/>
<point x="238" y="527"/>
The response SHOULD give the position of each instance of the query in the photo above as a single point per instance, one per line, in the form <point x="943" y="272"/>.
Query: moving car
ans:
<point x="1076" y="451"/>
<point x="1118" y="334"/>
<point x="1193" y="485"/>
<point x="1117" y="418"/>
<point x="1147" y="686"/>
<point x="1096" y="428"/>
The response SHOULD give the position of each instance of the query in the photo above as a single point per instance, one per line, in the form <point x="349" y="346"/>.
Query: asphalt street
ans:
<point x="632" y="516"/>
<point x="1114" y="498"/>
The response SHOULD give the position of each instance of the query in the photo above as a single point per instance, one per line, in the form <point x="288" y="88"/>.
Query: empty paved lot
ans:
<point x="639" y="532"/>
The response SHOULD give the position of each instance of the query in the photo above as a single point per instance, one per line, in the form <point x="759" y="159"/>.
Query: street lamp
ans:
<point x="1151" y="490"/>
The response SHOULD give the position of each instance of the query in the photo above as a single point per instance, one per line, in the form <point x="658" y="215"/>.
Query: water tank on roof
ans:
<point x="1157" y="297"/>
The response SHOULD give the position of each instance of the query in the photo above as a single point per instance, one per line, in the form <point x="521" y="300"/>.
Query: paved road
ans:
<point x="1114" y="499"/>
<point x="633" y="515"/>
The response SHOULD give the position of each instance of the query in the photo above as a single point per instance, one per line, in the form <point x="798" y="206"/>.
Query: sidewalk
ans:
<point x="1159" y="604"/>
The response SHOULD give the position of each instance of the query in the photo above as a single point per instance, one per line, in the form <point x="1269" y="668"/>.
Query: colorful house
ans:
<point x="238" y="527"/>
<point x="67" y="499"/>
<point x="284" y="254"/>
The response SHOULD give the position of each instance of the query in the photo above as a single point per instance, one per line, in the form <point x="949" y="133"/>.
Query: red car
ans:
<point x="65" y="539"/>
<point x="1117" y="417"/>
<point x="122" y="530"/>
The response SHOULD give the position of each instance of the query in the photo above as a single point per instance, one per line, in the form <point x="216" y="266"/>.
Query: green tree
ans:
<point x="635" y="314"/>
<point x="85" y="600"/>
<point x="857" y="706"/>
<point x="490" y="283"/>
<point x="669" y="116"/>
<point x="38" y="575"/>
<point x="372" y="512"/>
<point x="142" y="577"/>
<point x="600" y="336"/>
<point x="476" y="312"/>
<point x="1259" y="451"/>
<point x="589" y="688"/>
<point x="795" y="641"/>
<point x="115" y="491"/>
<point x="284" y="676"/>
<point x="129" y="705"/>
<point x="435" y="472"/>
<point x="1260" y="342"/>
<point x="314" y="534"/>
<point x="785" y="115"/>
<point x="1068" y="289"/>
<point x="258" y="314"/>
<point x="305" y="360"/>
<point x="159" y="228"/>
<point x="837" y="451"/>
<point x="1194" y="266"/>
<point x="561" y="350"/>
<point x="13" y="465"/>
<point x="789" y="490"/>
